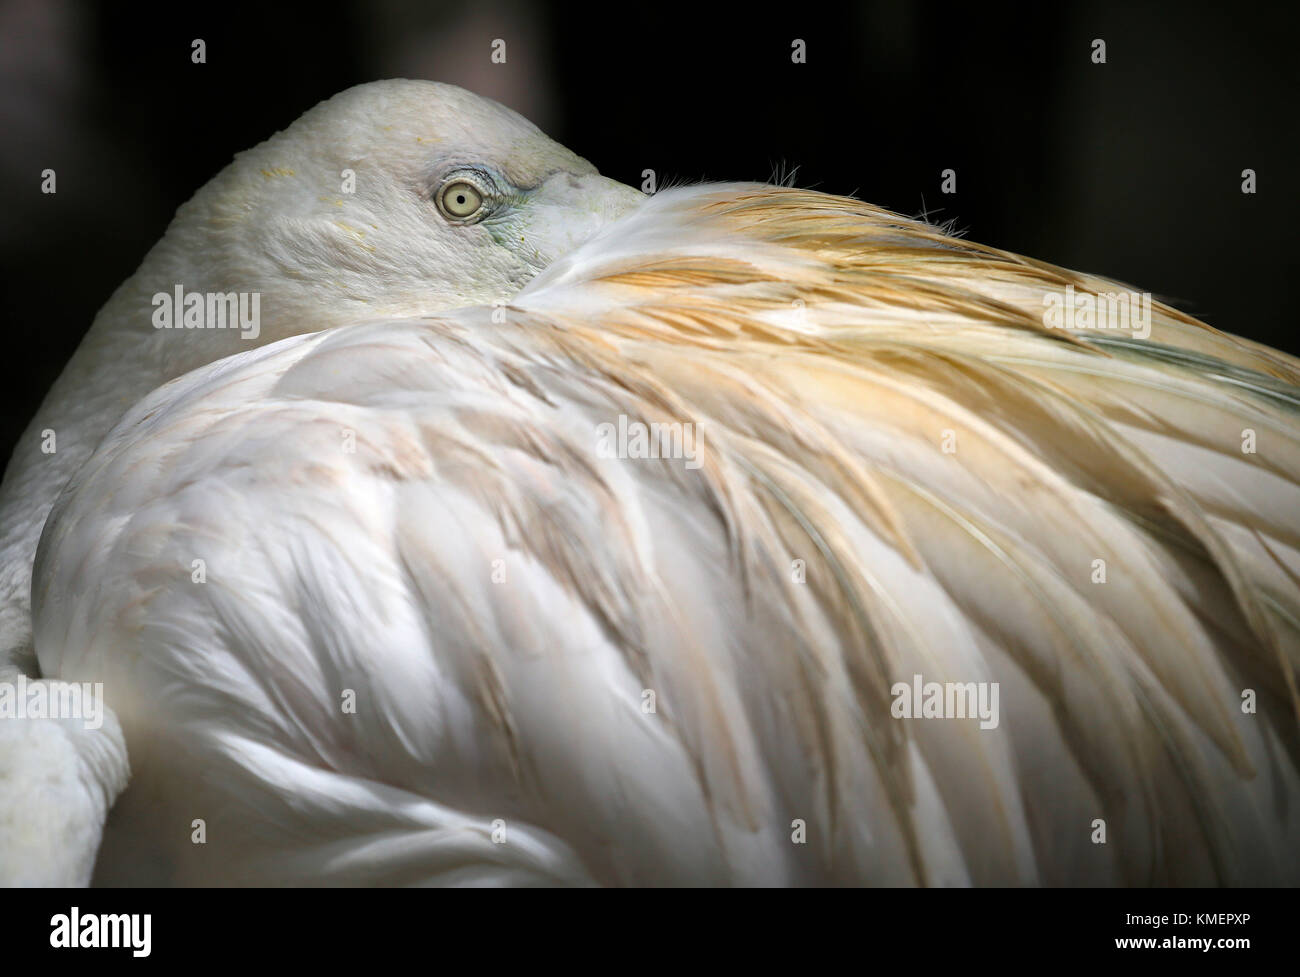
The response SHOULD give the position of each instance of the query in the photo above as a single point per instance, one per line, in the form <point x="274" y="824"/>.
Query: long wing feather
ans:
<point x="901" y="470"/>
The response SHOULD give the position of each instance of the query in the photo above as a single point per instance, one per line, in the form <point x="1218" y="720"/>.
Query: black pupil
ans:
<point x="460" y="198"/>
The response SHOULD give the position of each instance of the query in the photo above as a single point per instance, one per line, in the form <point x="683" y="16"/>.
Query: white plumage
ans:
<point x="412" y="514"/>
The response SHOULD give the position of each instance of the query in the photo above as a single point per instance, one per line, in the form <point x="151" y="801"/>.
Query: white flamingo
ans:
<point x="439" y="633"/>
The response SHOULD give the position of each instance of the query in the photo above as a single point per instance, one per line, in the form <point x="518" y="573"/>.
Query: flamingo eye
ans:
<point x="460" y="201"/>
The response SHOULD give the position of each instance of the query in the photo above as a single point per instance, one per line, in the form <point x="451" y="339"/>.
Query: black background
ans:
<point x="894" y="931"/>
<point x="1130" y="169"/>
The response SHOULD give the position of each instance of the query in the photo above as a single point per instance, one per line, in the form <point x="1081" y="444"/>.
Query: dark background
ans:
<point x="1130" y="169"/>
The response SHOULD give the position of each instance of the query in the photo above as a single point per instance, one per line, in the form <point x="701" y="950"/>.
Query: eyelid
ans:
<point x="478" y="179"/>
